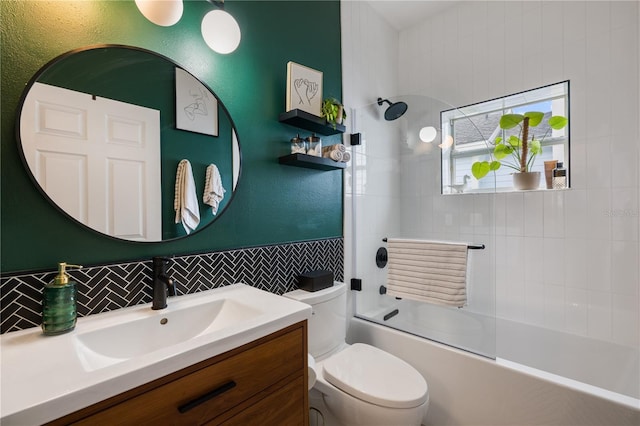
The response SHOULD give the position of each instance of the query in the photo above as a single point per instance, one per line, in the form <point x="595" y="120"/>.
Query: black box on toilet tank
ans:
<point x="315" y="280"/>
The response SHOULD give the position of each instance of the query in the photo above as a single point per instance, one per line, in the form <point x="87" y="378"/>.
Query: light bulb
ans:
<point x="161" y="12"/>
<point x="220" y="31"/>
<point x="428" y="134"/>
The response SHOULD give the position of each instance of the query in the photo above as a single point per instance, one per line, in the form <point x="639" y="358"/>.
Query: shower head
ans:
<point x="394" y="111"/>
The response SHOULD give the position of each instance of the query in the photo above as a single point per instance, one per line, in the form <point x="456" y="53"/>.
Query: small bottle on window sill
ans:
<point x="559" y="176"/>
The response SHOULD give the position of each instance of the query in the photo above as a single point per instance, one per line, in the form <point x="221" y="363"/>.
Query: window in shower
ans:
<point x="473" y="130"/>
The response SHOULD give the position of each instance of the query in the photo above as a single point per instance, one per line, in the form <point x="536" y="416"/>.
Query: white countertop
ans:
<point x="47" y="377"/>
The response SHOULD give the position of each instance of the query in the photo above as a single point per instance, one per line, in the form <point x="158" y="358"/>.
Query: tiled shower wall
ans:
<point x="566" y="260"/>
<point x="104" y="288"/>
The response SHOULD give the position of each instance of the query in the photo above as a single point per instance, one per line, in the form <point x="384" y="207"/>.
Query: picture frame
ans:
<point x="196" y="106"/>
<point x="304" y="88"/>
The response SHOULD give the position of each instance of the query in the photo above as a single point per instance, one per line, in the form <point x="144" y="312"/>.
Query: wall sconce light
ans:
<point x="161" y="12"/>
<point x="220" y="30"/>
<point x="428" y="134"/>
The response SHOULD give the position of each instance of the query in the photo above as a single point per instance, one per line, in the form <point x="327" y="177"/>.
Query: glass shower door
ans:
<point x="395" y="190"/>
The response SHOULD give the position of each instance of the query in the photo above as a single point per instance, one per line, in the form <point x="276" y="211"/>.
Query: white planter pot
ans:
<point x="526" y="180"/>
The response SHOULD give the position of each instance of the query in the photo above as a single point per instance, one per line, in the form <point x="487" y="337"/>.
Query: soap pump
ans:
<point x="59" y="303"/>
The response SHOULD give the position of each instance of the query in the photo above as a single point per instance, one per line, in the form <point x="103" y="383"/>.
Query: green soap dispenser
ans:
<point x="59" y="303"/>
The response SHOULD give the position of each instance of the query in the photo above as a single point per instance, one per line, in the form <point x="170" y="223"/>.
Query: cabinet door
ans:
<point x="284" y="407"/>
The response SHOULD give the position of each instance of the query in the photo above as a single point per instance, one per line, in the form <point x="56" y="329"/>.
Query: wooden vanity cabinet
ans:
<point x="260" y="383"/>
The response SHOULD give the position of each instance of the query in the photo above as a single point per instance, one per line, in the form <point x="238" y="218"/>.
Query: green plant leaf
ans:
<point x="494" y="165"/>
<point x="514" y="141"/>
<point x="535" y="117"/>
<point x="502" y="150"/>
<point x="557" y="122"/>
<point x="479" y="169"/>
<point x="509" y="121"/>
<point x="497" y="140"/>
<point x="535" y="147"/>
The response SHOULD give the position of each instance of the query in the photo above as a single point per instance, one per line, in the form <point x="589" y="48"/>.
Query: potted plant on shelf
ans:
<point x="521" y="149"/>
<point x="333" y="111"/>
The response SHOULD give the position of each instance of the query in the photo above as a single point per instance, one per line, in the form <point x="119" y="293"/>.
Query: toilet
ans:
<point x="360" y="384"/>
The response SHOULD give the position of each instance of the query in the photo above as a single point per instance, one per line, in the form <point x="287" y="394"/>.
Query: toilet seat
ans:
<point x="375" y="376"/>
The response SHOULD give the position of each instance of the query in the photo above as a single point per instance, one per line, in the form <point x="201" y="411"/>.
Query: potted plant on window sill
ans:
<point x="333" y="111"/>
<point x="522" y="149"/>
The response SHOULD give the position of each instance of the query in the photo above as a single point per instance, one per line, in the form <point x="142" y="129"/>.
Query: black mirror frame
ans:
<point x="58" y="58"/>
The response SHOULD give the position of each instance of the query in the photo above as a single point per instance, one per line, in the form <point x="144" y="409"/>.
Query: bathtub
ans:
<point x="603" y="368"/>
<point x="456" y="327"/>
<point x="538" y="376"/>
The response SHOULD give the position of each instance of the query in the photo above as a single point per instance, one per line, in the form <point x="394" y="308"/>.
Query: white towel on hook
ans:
<point x="429" y="271"/>
<point x="185" y="202"/>
<point x="213" y="189"/>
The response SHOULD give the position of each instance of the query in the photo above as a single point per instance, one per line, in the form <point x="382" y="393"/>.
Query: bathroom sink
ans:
<point x="163" y="328"/>
<point x="111" y="352"/>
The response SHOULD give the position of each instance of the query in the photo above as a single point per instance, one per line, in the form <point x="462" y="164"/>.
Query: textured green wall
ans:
<point x="273" y="203"/>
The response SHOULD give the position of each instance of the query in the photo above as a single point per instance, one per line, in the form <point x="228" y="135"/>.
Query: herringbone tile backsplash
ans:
<point x="105" y="288"/>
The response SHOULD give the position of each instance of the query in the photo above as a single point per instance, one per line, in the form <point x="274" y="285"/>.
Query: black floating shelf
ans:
<point x="311" y="162"/>
<point x="311" y="122"/>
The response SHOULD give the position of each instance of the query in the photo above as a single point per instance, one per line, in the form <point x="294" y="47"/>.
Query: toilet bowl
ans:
<point x="363" y="385"/>
<point x="360" y="384"/>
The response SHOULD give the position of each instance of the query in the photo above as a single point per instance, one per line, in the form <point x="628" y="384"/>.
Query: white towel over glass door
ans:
<point x="430" y="271"/>
<point x="110" y="154"/>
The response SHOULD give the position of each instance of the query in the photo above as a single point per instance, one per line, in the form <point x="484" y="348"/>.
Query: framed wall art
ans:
<point x="196" y="106"/>
<point x="304" y="88"/>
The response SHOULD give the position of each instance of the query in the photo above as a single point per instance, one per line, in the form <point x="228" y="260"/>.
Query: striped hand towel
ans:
<point x="213" y="189"/>
<point x="430" y="271"/>
<point x="185" y="202"/>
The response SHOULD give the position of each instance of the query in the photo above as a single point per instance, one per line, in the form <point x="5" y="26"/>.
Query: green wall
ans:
<point x="273" y="203"/>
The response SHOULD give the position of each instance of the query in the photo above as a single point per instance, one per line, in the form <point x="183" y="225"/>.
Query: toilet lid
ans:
<point x="375" y="376"/>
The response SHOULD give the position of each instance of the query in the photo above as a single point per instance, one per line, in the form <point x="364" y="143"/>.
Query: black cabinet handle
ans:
<point x="207" y="396"/>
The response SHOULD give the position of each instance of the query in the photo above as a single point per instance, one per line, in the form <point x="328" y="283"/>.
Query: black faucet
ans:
<point x="163" y="285"/>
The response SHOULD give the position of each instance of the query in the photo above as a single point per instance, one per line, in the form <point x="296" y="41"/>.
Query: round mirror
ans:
<point x="104" y="132"/>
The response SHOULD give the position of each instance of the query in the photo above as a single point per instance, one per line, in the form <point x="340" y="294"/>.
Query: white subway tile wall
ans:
<point x="567" y="260"/>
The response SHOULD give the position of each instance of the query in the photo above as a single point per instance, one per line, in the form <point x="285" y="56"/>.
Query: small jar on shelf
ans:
<point x="314" y="146"/>
<point x="298" y="145"/>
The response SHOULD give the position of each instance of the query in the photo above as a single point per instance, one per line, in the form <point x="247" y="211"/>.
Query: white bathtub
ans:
<point x="456" y="327"/>
<point x="609" y="370"/>
<point x="611" y="367"/>
<point x="539" y="376"/>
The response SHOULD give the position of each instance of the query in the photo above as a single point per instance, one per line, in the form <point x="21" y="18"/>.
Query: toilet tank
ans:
<point x="327" y="327"/>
